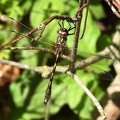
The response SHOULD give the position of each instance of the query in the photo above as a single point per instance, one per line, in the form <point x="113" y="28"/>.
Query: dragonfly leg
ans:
<point x="71" y="28"/>
<point x="59" y="23"/>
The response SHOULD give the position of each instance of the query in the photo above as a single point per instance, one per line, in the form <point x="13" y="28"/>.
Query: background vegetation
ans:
<point x="22" y="91"/>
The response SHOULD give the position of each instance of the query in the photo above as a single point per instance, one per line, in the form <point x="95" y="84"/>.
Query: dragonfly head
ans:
<point x="63" y="32"/>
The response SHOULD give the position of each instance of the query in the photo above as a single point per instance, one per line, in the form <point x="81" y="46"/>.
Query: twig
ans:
<point x="43" y="26"/>
<point x="95" y="101"/>
<point x="79" y="65"/>
<point x="76" y="36"/>
<point x="75" y="42"/>
<point x="44" y="70"/>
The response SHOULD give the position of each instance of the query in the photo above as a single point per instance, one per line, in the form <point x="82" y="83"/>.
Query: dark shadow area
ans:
<point x="65" y="114"/>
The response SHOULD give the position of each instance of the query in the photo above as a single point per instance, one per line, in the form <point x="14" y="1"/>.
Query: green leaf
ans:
<point x="40" y="11"/>
<point x="16" y="94"/>
<point x="26" y="6"/>
<point x="97" y="11"/>
<point x="78" y="100"/>
<point x="103" y="41"/>
<point x="92" y="33"/>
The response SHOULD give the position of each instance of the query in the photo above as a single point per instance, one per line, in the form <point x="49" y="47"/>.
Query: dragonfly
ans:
<point x="60" y="43"/>
<point x="59" y="46"/>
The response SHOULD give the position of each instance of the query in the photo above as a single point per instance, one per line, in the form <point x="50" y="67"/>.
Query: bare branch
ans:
<point x="95" y="101"/>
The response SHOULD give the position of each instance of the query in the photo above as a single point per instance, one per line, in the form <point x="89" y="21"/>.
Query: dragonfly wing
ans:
<point x="99" y="68"/>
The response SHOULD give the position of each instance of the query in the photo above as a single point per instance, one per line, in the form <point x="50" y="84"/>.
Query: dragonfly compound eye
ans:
<point x="63" y="32"/>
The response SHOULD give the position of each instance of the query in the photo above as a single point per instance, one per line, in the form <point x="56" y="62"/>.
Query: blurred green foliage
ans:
<point x="27" y="92"/>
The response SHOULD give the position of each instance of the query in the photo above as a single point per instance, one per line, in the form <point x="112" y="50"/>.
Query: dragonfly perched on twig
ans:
<point x="60" y="43"/>
<point x="59" y="46"/>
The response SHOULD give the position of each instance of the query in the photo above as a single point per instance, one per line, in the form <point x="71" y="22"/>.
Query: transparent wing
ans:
<point x="101" y="68"/>
<point x="97" y="64"/>
<point x="27" y="43"/>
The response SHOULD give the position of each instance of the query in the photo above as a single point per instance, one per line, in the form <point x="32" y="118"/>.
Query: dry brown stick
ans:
<point x="77" y="32"/>
<point x="86" y="90"/>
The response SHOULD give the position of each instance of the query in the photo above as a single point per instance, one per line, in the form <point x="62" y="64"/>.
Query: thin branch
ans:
<point x="79" y="65"/>
<point x="95" y="101"/>
<point x="44" y="70"/>
<point x="43" y="26"/>
<point x="76" y="36"/>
